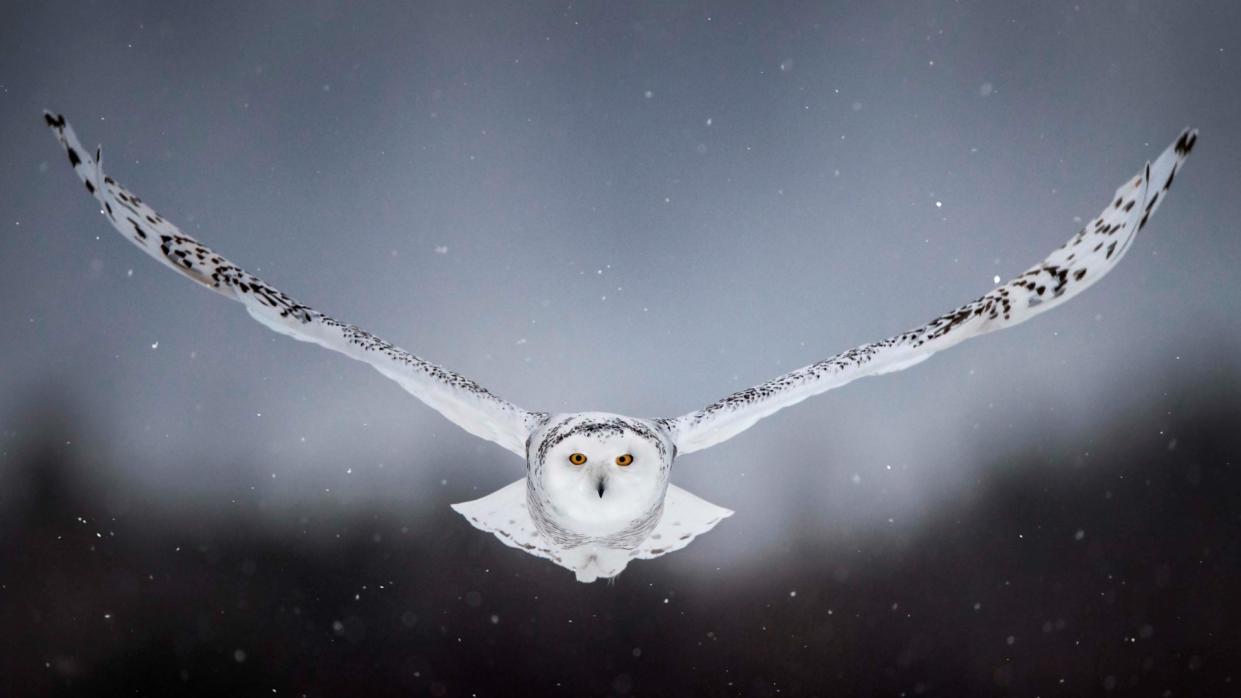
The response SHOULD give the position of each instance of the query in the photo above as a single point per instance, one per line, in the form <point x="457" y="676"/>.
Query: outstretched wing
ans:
<point x="1067" y="271"/>
<point x="456" y="397"/>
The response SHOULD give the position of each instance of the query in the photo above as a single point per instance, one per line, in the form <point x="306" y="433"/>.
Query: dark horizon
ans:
<point x="1114" y="573"/>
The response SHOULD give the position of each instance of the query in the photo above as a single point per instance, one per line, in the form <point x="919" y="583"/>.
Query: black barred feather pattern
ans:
<point x="559" y="511"/>
<point x="456" y="397"/>
<point x="1067" y="271"/>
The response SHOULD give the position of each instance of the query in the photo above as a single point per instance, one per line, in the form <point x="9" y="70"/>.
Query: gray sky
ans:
<point x="636" y="209"/>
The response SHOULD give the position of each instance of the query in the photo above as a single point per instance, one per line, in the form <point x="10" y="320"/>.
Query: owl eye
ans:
<point x="624" y="460"/>
<point x="577" y="458"/>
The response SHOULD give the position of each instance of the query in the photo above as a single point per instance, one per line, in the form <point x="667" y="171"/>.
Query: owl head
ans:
<point x="597" y="473"/>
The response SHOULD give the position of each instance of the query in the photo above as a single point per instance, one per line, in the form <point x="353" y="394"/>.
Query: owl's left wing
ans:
<point x="1067" y="271"/>
<point x="458" y="398"/>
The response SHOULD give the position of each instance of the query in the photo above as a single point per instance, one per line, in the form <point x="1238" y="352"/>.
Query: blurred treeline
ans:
<point x="1067" y="573"/>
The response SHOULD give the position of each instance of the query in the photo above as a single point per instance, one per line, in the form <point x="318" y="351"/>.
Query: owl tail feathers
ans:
<point x="685" y="517"/>
<point x="504" y="514"/>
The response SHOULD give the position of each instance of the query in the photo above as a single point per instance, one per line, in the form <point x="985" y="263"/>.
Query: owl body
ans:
<point x="598" y="499"/>
<point x="596" y="496"/>
<point x="597" y="510"/>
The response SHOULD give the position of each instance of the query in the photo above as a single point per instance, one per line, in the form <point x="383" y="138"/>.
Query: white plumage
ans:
<point x="597" y="491"/>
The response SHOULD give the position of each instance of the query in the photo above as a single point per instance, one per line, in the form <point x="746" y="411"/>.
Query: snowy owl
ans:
<point x="597" y="493"/>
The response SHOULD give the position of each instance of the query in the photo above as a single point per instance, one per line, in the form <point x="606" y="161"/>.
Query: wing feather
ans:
<point x="456" y="397"/>
<point x="1067" y="271"/>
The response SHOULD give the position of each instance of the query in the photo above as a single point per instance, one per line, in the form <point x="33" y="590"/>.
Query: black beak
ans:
<point x="601" y="487"/>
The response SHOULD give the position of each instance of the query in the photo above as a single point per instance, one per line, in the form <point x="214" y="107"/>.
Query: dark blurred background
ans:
<point x="1068" y="569"/>
<point x="637" y="208"/>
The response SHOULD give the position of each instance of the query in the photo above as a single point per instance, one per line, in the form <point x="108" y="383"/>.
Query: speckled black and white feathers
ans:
<point x="1067" y="271"/>
<point x="456" y="397"/>
<point x="553" y="512"/>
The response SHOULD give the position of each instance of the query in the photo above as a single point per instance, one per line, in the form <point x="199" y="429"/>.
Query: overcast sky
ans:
<point x="638" y="208"/>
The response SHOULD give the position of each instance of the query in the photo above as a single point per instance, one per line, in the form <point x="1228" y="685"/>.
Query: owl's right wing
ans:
<point x="456" y="397"/>
<point x="1067" y="271"/>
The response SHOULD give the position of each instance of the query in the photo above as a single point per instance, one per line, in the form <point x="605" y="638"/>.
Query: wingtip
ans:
<point x="1185" y="144"/>
<point x="53" y="120"/>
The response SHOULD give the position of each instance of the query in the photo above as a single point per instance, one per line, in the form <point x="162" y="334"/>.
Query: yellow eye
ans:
<point x="624" y="460"/>
<point x="577" y="458"/>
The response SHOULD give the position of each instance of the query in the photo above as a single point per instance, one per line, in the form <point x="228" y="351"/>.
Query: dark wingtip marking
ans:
<point x="1185" y="143"/>
<point x="54" y="120"/>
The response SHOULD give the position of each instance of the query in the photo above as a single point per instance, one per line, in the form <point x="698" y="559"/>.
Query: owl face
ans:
<point x="597" y="474"/>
